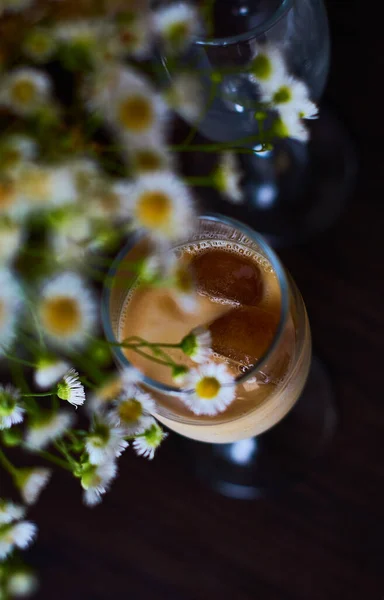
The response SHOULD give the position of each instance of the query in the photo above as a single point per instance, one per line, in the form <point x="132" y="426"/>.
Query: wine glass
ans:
<point x="298" y="188"/>
<point x="251" y="447"/>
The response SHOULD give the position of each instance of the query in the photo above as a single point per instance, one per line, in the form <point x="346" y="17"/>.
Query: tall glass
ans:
<point x="265" y="391"/>
<point x="295" y="190"/>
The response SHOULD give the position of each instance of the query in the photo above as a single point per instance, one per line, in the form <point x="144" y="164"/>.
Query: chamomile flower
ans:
<point x="70" y="237"/>
<point x="11" y="410"/>
<point x="129" y="104"/>
<point x="291" y="97"/>
<point x="132" y="411"/>
<point x="161" y="204"/>
<point x="213" y="389"/>
<point x="49" y="370"/>
<point x="15" y="151"/>
<point x="31" y="481"/>
<point x="182" y="286"/>
<point x="227" y="177"/>
<point x="146" y="443"/>
<point x="95" y="480"/>
<point x="11" y="241"/>
<point x="46" y="187"/>
<point x="148" y="158"/>
<point x="198" y="344"/>
<point x="177" y="25"/>
<point x="70" y="389"/>
<point x="288" y="125"/>
<point x="138" y="112"/>
<point x="267" y="67"/>
<point x="105" y="442"/>
<point x="134" y="35"/>
<point x="102" y="398"/>
<point x="186" y="96"/>
<point x="10" y="512"/>
<point x="16" y="535"/>
<point x="157" y="268"/>
<point x="47" y="428"/>
<point x="21" y="584"/>
<point x="10" y="305"/>
<point x="87" y="176"/>
<point x="40" y="44"/>
<point x="25" y="90"/>
<point x="67" y="310"/>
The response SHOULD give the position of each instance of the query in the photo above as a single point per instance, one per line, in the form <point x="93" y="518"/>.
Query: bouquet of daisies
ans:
<point x="85" y="160"/>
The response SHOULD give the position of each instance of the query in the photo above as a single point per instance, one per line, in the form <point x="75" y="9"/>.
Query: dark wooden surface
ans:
<point x="160" y="534"/>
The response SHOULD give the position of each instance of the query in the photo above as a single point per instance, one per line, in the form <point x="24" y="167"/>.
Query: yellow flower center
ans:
<point x="208" y="388"/>
<point x="178" y="33"/>
<point x="7" y="194"/>
<point x="130" y="411"/>
<point x="39" y="45"/>
<point x="154" y="209"/>
<point x="262" y="67"/>
<point x="35" y="184"/>
<point x="136" y="113"/>
<point x="23" y="91"/>
<point x="61" y="315"/>
<point x="147" y="160"/>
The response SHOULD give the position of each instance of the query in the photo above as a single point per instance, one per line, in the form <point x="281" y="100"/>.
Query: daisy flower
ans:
<point x="25" y="90"/>
<point x="48" y="428"/>
<point x="267" y="67"/>
<point x="105" y="395"/>
<point x="186" y="96"/>
<point x="182" y="286"/>
<point x="104" y="443"/>
<point x="21" y="584"/>
<point x="227" y="177"/>
<point x="87" y="176"/>
<point x="49" y="370"/>
<point x="19" y="535"/>
<point x="177" y="24"/>
<point x="148" y="158"/>
<point x="291" y="97"/>
<point x="161" y="204"/>
<point x="11" y="412"/>
<point x="70" y="389"/>
<point x="10" y="305"/>
<point x="96" y="480"/>
<point x="31" y="481"/>
<point x="46" y="187"/>
<point x="134" y="35"/>
<point x="10" y="512"/>
<point x="40" y="44"/>
<point x="156" y="268"/>
<point x="129" y="104"/>
<point x="11" y="240"/>
<point x="146" y="443"/>
<point x="15" y="151"/>
<point x="67" y="310"/>
<point x="132" y="411"/>
<point x="197" y="344"/>
<point x="288" y="125"/>
<point x="213" y="389"/>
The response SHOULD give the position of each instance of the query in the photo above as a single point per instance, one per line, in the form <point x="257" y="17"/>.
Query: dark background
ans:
<point x="159" y="533"/>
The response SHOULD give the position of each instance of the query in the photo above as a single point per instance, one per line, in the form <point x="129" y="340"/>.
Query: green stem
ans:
<point x="53" y="459"/>
<point x="21" y="361"/>
<point x="62" y="449"/>
<point x="37" y="395"/>
<point x="8" y="466"/>
<point x="154" y="358"/>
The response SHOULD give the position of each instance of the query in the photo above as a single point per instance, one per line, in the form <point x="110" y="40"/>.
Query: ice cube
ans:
<point x="227" y="277"/>
<point x="244" y="334"/>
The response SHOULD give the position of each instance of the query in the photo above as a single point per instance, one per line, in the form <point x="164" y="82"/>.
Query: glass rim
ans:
<point x="284" y="7"/>
<point x="284" y="307"/>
